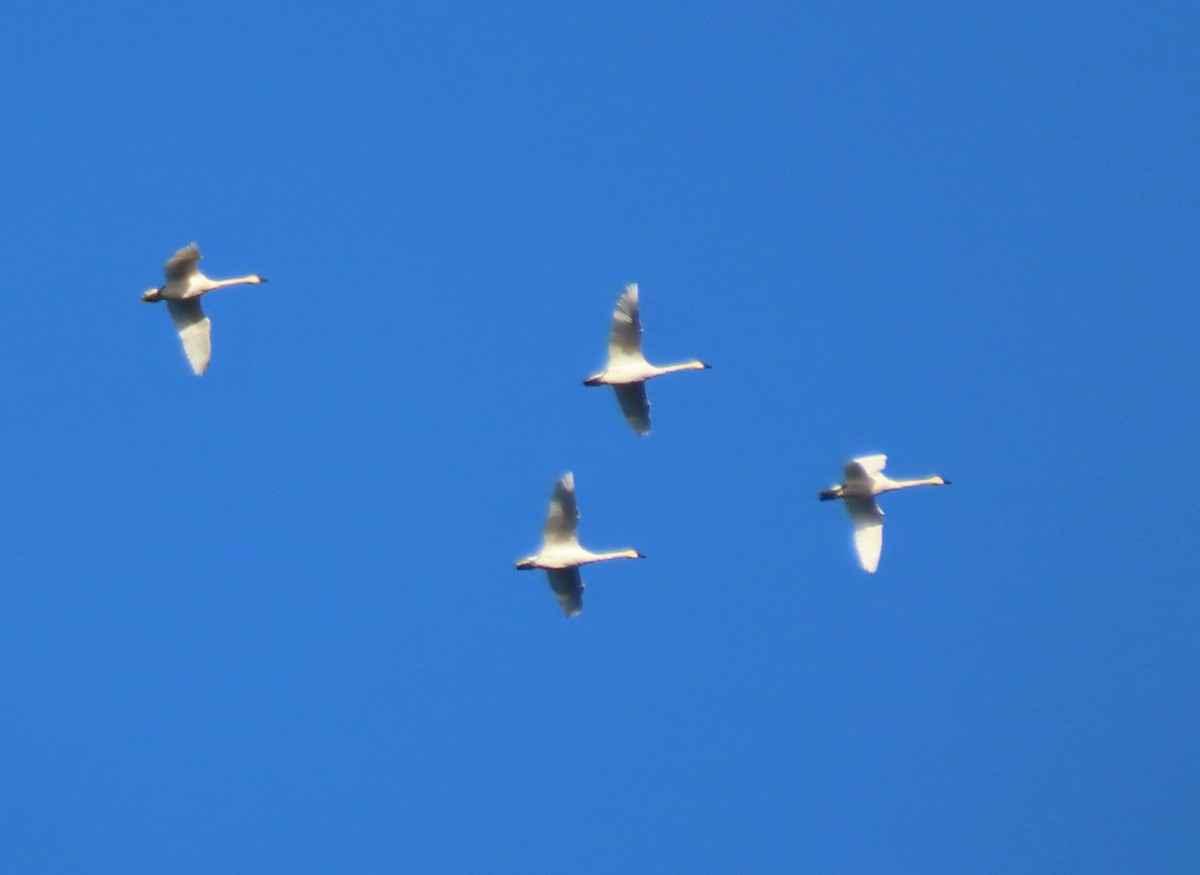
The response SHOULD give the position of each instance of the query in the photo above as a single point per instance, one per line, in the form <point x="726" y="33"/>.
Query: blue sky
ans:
<point x="267" y="620"/>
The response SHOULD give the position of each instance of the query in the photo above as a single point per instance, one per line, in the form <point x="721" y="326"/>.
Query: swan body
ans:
<point x="561" y="554"/>
<point x="627" y="370"/>
<point x="182" y="290"/>
<point x="865" y="480"/>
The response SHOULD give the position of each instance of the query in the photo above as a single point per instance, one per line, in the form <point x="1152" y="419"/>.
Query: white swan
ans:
<point x="627" y="369"/>
<point x="182" y="290"/>
<point x="865" y="480"/>
<point x="561" y="554"/>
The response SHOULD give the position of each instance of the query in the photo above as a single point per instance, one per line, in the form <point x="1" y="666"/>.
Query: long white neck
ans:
<point x="890" y="485"/>
<point x="694" y="365"/>
<point x="615" y="554"/>
<point x="209" y="284"/>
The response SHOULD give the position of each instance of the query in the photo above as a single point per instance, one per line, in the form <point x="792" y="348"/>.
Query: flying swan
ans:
<point x="627" y="369"/>
<point x="561" y="554"/>
<point x="185" y="284"/>
<point x="865" y="480"/>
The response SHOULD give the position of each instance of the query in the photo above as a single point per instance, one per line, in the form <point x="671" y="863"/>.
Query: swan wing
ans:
<point x="864" y="468"/>
<point x="568" y="589"/>
<point x="182" y="264"/>
<point x="563" y="515"/>
<point x="194" y="328"/>
<point x="635" y="405"/>
<point x="625" y="340"/>
<point x="868" y="529"/>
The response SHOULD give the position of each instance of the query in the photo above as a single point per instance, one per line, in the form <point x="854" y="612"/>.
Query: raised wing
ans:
<point x="568" y="589"/>
<point x="635" y="405"/>
<point x="193" y="327"/>
<point x="864" y="468"/>
<point x="182" y="264"/>
<point x="563" y="515"/>
<point x="868" y="529"/>
<point x="625" y="340"/>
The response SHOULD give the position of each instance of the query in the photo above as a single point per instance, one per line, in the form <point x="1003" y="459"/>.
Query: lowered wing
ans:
<point x="868" y="529"/>
<point x="568" y="589"/>
<point x="635" y="405"/>
<point x="194" y="328"/>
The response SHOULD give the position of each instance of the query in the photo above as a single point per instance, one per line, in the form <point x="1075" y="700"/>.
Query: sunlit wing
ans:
<point x="625" y="340"/>
<point x="868" y="529"/>
<point x="568" y="589"/>
<point x="182" y="264"/>
<point x="563" y="514"/>
<point x="635" y="405"/>
<point x="193" y="327"/>
<point x="863" y="469"/>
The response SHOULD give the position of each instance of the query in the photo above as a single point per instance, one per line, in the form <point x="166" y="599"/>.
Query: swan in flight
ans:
<point x="865" y="480"/>
<point x="627" y="370"/>
<point x="561" y="554"/>
<point x="185" y="284"/>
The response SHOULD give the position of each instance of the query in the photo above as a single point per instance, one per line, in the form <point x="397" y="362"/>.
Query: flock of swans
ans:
<point x="627" y="371"/>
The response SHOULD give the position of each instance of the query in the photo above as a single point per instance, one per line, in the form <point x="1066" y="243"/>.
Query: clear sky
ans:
<point x="268" y="621"/>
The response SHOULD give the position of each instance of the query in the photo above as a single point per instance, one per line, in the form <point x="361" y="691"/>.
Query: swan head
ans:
<point x="527" y="564"/>
<point x="151" y="295"/>
<point x="593" y="381"/>
<point x="830" y="494"/>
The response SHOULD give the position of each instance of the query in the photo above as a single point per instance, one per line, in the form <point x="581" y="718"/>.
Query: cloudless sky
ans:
<point x="268" y="621"/>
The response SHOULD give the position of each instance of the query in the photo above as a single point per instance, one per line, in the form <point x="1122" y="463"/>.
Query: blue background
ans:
<point x="267" y="620"/>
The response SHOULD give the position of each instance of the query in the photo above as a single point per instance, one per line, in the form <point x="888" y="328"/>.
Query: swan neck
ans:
<point x="893" y="485"/>
<point x="251" y="279"/>
<point x="616" y="554"/>
<point x="694" y="365"/>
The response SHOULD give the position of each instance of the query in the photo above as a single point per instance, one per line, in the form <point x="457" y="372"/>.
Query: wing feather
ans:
<point x="568" y="589"/>
<point x="625" y="339"/>
<point x="635" y="405"/>
<point x="563" y="515"/>
<point x="182" y="264"/>
<point x="194" y="330"/>
<point x="868" y="529"/>
<point x="863" y="469"/>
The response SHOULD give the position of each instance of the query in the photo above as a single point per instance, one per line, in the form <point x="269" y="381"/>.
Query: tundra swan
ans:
<point x="561" y="554"/>
<point x="865" y="480"/>
<point x="627" y="370"/>
<point x="182" y="290"/>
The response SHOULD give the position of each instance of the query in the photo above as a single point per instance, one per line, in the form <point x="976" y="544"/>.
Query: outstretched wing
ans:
<point x="568" y="589"/>
<point x="563" y="514"/>
<point x="182" y="264"/>
<point x="193" y="327"/>
<point x="625" y="340"/>
<point x="635" y="405"/>
<point x="868" y="529"/>
<point x="864" y="468"/>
